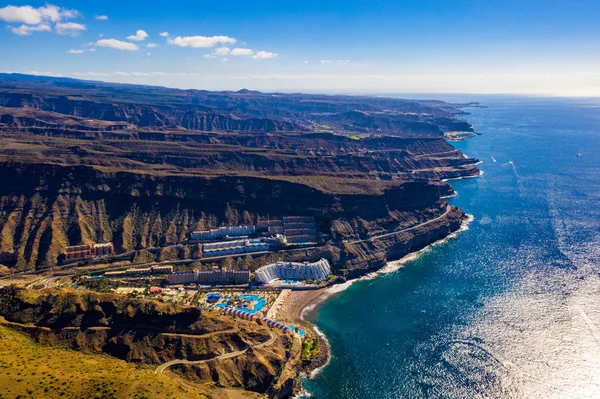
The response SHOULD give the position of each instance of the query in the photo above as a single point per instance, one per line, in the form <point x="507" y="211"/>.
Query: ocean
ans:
<point x="510" y="308"/>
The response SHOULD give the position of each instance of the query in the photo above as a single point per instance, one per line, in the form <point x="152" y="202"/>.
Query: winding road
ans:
<point x="374" y="238"/>
<point x="160" y="369"/>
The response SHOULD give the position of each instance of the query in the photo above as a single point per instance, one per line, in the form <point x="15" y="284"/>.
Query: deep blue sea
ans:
<point x="511" y="307"/>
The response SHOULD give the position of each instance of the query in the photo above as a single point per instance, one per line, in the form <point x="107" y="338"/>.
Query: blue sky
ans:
<point x="475" y="46"/>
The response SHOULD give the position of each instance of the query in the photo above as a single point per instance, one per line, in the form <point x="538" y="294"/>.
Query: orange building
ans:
<point x="78" y="252"/>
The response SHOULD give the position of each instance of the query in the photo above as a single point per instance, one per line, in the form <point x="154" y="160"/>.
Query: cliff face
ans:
<point x="192" y="117"/>
<point x="85" y="162"/>
<point x="243" y="111"/>
<point x="44" y="208"/>
<point x="151" y="333"/>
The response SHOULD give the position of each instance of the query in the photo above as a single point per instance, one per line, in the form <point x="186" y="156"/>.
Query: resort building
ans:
<point x="77" y="252"/>
<point x="115" y="274"/>
<point x="242" y="314"/>
<point x="156" y="290"/>
<point x="236" y="247"/>
<point x="135" y="272"/>
<point x="299" y="229"/>
<point x="278" y="325"/>
<point x="103" y="249"/>
<point x="245" y="315"/>
<point x="293" y="271"/>
<point x="211" y="277"/>
<point x="181" y="278"/>
<point x="162" y="269"/>
<point x="223" y="232"/>
<point x="270" y="227"/>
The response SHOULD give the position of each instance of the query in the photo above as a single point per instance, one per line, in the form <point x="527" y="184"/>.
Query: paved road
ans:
<point x="44" y="282"/>
<point x="374" y="238"/>
<point x="160" y="369"/>
<point x="71" y="269"/>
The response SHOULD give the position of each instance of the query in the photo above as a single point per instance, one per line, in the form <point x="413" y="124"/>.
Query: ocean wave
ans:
<point x="389" y="267"/>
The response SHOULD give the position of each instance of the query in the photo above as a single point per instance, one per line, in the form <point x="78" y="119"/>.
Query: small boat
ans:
<point x="578" y="153"/>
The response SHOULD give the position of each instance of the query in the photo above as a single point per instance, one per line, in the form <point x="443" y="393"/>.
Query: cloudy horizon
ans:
<point x="538" y="48"/>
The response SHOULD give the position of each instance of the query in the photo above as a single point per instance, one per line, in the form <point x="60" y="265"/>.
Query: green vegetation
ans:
<point x="310" y="348"/>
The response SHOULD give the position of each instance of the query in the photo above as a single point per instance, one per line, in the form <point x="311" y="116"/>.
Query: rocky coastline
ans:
<point x="142" y="171"/>
<point x="307" y="314"/>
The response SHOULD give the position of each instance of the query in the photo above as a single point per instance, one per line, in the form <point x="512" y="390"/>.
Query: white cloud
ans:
<point x="306" y="62"/>
<point x="164" y="34"/>
<point x="102" y="17"/>
<point x="75" y="51"/>
<point x="264" y="55"/>
<point x="242" y="51"/>
<point x="340" y="62"/>
<point x="93" y="50"/>
<point x="210" y="56"/>
<point x="151" y="45"/>
<point x="35" y="16"/>
<point x="550" y="83"/>
<point x="69" y="28"/>
<point x="221" y="51"/>
<point x="139" y="36"/>
<point x="117" y="44"/>
<point x="148" y="54"/>
<point x="201" y="41"/>
<point x="24" y="30"/>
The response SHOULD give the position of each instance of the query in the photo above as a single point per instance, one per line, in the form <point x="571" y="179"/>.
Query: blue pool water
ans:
<point x="511" y="307"/>
<point x="258" y="302"/>
<point x="300" y="332"/>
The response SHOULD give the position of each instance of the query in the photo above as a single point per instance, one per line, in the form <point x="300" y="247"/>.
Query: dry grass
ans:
<point x="30" y="370"/>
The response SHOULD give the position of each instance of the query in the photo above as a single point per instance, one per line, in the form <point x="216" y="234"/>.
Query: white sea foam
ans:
<point x="454" y="194"/>
<point x="464" y="177"/>
<point x="389" y="267"/>
<point x="316" y="371"/>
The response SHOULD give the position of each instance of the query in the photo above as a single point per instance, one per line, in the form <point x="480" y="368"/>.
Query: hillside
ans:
<point x="34" y="370"/>
<point x="150" y="333"/>
<point x="142" y="166"/>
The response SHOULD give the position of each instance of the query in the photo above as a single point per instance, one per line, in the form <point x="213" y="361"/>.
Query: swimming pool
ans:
<point x="300" y="332"/>
<point x="257" y="301"/>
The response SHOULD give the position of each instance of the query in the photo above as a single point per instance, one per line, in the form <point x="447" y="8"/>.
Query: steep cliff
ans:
<point x="85" y="162"/>
<point x="147" y="332"/>
<point x="47" y="207"/>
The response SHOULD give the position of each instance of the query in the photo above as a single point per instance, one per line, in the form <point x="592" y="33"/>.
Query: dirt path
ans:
<point x="160" y="369"/>
<point x="374" y="238"/>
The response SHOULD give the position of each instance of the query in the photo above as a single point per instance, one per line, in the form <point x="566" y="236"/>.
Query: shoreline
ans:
<point x="307" y="313"/>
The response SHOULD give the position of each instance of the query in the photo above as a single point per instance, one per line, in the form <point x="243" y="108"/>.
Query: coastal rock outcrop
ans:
<point x="153" y="333"/>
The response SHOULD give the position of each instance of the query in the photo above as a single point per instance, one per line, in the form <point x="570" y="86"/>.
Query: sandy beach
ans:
<point x="292" y="308"/>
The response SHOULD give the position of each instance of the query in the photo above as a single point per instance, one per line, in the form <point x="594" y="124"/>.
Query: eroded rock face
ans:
<point x="153" y="333"/>
<point x="44" y="208"/>
<point x="85" y="162"/>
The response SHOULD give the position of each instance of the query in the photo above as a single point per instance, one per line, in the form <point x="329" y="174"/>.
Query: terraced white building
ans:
<point x="294" y="271"/>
